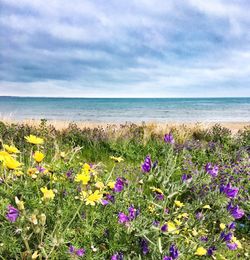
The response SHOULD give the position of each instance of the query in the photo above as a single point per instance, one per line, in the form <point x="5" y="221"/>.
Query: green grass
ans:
<point x="69" y="221"/>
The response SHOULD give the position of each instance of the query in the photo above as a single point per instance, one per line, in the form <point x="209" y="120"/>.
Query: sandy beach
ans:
<point x="158" y="127"/>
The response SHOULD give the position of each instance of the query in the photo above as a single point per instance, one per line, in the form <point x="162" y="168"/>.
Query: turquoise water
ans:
<point x="128" y="109"/>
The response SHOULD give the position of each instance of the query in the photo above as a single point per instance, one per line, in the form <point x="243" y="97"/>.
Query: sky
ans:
<point x="116" y="48"/>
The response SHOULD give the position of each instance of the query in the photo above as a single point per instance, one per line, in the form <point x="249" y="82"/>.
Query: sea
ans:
<point x="119" y="110"/>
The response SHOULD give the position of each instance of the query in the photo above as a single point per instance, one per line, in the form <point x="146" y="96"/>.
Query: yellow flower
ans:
<point x="86" y="168"/>
<point x="117" y="159"/>
<point x="19" y="203"/>
<point x="99" y="185"/>
<point x="82" y="177"/>
<point x="3" y="155"/>
<point x="32" y="172"/>
<point x="234" y="239"/>
<point x="83" y="195"/>
<point x="151" y="208"/>
<point x="10" y="149"/>
<point x="111" y="184"/>
<point x="34" y="139"/>
<point x="194" y="232"/>
<point x="93" y="198"/>
<point x="18" y="173"/>
<point x="177" y="222"/>
<point x="11" y="163"/>
<point x="62" y="154"/>
<point x="172" y="227"/>
<point x="206" y="207"/>
<point x="34" y="255"/>
<point x="201" y="251"/>
<point x="47" y="194"/>
<point x="156" y="190"/>
<point x="33" y="219"/>
<point x="222" y="226"/>
<point x="38" y="156"/>
<point x="178" y="203"/>
<point x="183" y="215"/>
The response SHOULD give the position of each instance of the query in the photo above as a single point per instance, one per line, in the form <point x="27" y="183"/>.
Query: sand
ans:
<point x="157" y="126"/>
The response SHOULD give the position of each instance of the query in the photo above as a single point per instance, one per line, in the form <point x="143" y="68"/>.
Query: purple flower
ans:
<point x="111" y="198"/>
<point x="155" y="164"/>
<point x="173" y="251"/>
<point x="235" y="211"/>
<point x="71" y="249"/>
<point x="167" y="257"/>
<point x="104" y="202"/>
<point x="144" y="246"/>
<point x="232" y="246"/>
<point x="226" y="237"/>
<point x="117" y="256"/>
<point x="231" y="192"/>
<point x="69" y="175"/>
<point x="40" y="169"/>
<point x="133" y="212"/>
<point x="204" y="238"/>
<point x="119" y="185"/>
<point x="164" y="228"/>
<point x="159" y="196"/>
<point x="169" y="138"/>
<point x="156" y="223"/>
<point x="212" y="170"/>
<point x="211" y="250"/>
<point x="186" y="177"/>
<point x="12" y="214"/>
<point x="232" y="225"/>
<point x="78" y="252"/>
<point x="146" y="166"/>
<point x="123" y="218"/>
<point x="199" y="215"/>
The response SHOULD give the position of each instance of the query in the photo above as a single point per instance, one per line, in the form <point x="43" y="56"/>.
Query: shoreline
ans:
<point x="157" y="126"/>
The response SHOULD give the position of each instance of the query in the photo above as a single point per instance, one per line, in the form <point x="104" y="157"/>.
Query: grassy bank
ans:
<point x="124" y="192"/>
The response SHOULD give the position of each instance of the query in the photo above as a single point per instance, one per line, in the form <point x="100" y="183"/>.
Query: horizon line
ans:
<point x="6" y="96"/>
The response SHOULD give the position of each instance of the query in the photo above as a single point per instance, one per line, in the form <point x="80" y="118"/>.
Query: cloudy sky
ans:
<point x="116" y="48"/>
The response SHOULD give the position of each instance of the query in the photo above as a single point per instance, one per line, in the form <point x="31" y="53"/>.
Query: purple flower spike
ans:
<point x="80" y="252"/>
<point x="12" y="214"/>
<point x="232" y="246"/>
<point x="169" y="138"/>
<point x="173" y="251"/>
<point x="133" y="212"/>
<point x="186" y="177"/>
<point x="199" y="215"/>
<point x="167" y="257"/>
<point x="104" y="202"/>
<point x="231" y="192"/>
<point x="71" y="249"/>
<point x="226" y="237"/>
<point x="123" y="218"/>
<point x="144" y="246"/>
<point x="117" y="256"/>
<point x="212" y="170"/>
<point x="119" y="185"/>
<point x="77" y="252"/>
<point x="232" y="225"/>
<point x="211" y="250"/>
<point x="146" y="166"/>
<point x="164" y="228"/>
<point x="235" y="211"/>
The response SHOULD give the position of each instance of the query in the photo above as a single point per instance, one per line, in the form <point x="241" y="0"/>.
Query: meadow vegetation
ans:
<point x="124" y="193"/>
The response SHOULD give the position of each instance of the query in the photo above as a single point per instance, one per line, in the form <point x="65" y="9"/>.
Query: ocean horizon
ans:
<point x="119" y="110"/>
